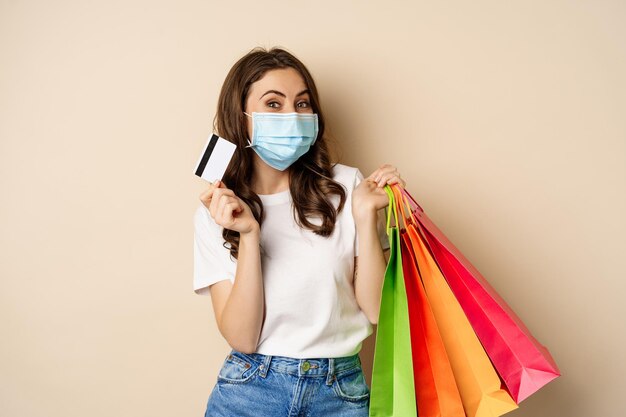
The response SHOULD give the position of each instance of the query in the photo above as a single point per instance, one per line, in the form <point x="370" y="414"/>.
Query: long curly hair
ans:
<point x="311" y="184"/>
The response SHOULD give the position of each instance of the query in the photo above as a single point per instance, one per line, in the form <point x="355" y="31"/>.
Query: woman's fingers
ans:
<point x="386" y="174"/>
<point x="228" y="208"/>
<point x="384" y="169"/>
<point x="207" y="194"/>
<point x="390" y="178"/>
<point x="224" y="206"/>
<point x="218" y="194"/>
<point x="222" y="203"/>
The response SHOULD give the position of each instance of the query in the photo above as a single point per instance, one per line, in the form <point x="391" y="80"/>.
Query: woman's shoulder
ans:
<point x="345" y="174"/>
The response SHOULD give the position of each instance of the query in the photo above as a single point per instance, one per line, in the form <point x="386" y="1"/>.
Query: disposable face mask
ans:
<point x="281" y="138"/>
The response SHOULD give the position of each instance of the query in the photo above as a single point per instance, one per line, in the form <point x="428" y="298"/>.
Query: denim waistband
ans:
<point x="329" y="368"/>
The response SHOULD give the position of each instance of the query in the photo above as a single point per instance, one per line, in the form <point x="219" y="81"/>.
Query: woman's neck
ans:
<point x="267" y="180"/>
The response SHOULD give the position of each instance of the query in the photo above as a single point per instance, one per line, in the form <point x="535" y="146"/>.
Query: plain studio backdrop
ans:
<point x="506" y="118"/>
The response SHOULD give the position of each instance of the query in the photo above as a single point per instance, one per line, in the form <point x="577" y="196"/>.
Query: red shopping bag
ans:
<point x="522" y="362"/>
<point x="436" y="391"/>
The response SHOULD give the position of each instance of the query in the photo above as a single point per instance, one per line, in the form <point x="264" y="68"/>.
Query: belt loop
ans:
<point x="265" y="366"/>
<point x="331" y="371"/>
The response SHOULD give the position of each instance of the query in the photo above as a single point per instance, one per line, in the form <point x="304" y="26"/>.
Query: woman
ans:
<point x="276" y="245"/>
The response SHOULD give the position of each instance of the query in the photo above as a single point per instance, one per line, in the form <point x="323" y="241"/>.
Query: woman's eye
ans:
<point x="306" y="103"/>
<point x="272" y="102"/>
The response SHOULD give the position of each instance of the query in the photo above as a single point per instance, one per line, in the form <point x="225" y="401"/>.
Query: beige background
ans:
<point x="505" y="117"/>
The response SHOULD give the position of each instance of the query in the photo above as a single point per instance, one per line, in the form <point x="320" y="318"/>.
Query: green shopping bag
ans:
<point x="392" y="393"/>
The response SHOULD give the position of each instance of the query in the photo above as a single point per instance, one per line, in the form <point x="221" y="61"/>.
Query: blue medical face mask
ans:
<point x="281" y="138"/>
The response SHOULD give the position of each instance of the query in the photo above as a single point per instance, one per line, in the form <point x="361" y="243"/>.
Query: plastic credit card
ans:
<point x="215" y="158"/>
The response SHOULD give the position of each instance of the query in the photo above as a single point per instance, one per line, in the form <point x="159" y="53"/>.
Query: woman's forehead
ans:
<point x="286" y="80"/>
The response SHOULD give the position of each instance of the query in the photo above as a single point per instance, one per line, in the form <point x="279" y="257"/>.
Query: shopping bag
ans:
<point x="478" y="383"/>
<point x="436" y="392"/>
<point x="521" y="361"/>
<point x="392" y="392"/>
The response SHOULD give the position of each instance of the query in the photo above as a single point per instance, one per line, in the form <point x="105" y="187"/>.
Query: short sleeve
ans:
<point x="381" y="221"/>
<point x="211" y="260"/>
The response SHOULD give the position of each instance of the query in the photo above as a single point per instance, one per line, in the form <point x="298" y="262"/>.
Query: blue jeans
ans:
<point x="258" y="385"/>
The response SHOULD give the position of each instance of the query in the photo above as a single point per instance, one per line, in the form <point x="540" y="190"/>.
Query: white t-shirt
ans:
<point x="311" y="309"/>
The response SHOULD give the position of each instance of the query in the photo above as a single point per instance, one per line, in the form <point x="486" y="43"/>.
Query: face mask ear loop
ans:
<point x="250" y="143"/>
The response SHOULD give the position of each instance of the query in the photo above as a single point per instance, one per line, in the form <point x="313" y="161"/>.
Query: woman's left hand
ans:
<point x="369" y="196"/>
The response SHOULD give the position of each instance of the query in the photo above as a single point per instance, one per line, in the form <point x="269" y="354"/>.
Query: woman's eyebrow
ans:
<point x="281" y="94"/>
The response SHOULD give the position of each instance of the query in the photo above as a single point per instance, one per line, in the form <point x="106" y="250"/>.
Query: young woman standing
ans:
<point x="277" y="245"/>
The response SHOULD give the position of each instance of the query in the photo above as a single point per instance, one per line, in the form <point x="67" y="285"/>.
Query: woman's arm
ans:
<point x="369" y="271"/>
<point x="239" y="306"/>
<point x="368" y="197"/>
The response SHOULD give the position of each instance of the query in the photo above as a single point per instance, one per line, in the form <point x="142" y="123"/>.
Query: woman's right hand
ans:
<point x="228" y="210"/>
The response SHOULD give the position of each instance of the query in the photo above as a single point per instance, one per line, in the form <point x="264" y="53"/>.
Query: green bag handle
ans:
<point x="392" y="205"/>
<point x="393" y="387"/>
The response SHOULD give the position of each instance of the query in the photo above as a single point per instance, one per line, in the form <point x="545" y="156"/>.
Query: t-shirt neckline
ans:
<point x="276" y="198"/>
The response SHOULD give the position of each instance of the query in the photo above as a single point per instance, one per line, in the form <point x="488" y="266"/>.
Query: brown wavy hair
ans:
<point x="310" y="183"/>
